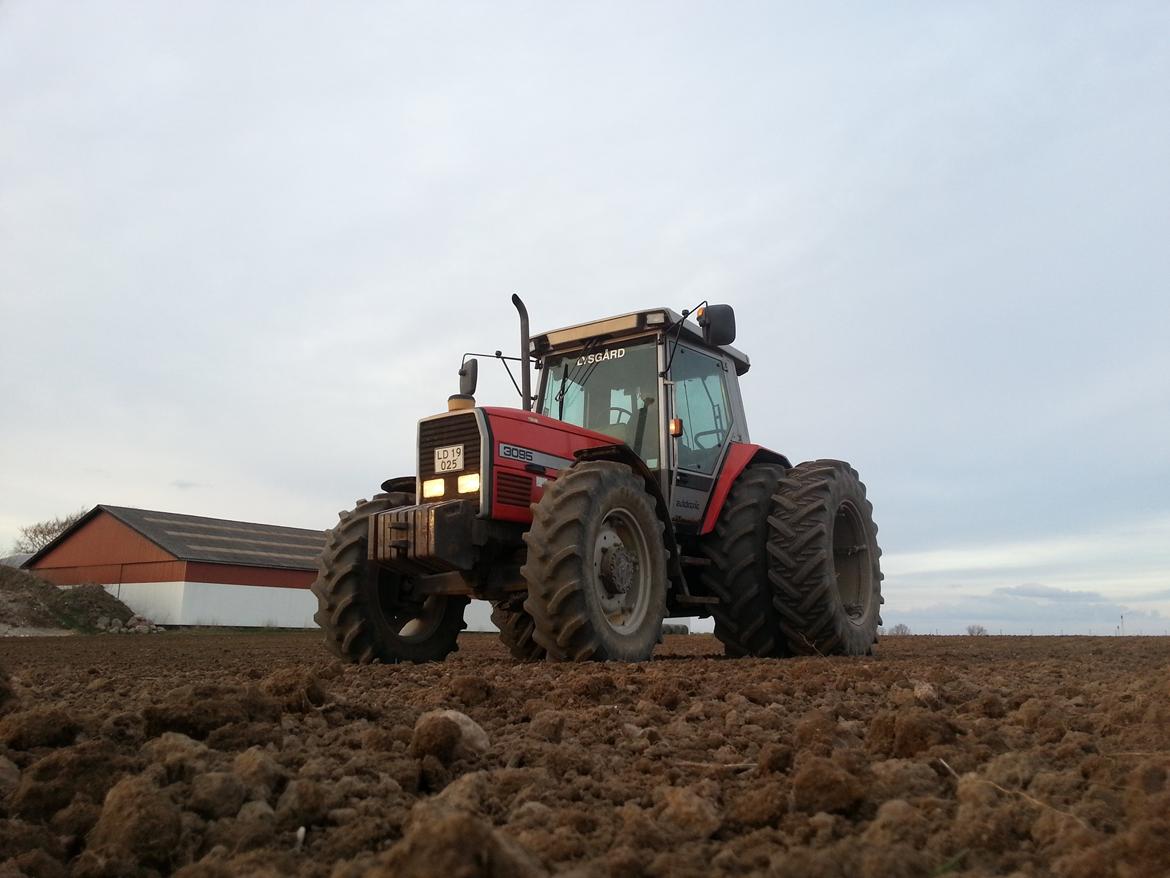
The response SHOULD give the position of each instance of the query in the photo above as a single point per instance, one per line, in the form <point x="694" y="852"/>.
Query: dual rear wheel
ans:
<point x="794" y="560"/>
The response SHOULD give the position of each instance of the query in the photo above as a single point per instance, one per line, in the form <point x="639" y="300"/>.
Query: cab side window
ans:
<point x="700" y="399"/>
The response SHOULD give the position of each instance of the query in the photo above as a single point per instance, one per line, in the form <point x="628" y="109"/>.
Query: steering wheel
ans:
<point x="621" y="411"/>
<point x="718" y="434"/>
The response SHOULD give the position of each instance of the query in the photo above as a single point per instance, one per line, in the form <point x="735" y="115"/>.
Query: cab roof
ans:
<point x="609" y="328"/>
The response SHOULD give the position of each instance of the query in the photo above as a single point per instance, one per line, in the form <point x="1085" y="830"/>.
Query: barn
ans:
<point x="188" y="570"/>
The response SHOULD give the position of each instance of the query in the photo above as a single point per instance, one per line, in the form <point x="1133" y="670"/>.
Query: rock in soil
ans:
<point x="433" y="735"/>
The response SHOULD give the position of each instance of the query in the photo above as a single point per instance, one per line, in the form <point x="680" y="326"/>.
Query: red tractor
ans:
<point x="624" y="492"/>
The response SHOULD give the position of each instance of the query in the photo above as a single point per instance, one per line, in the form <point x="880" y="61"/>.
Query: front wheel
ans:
<point x="596" y="568"/>
<point x="823" y="560"/>
<point x="368" y="612"/>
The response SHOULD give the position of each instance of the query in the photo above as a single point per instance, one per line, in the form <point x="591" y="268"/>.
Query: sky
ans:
<point x="243" y="248"/>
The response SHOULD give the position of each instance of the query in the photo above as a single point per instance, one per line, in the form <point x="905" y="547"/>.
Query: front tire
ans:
<point x="823" y="558"/>
<point x="596" y="568"/>
<point x="366" y="610"/>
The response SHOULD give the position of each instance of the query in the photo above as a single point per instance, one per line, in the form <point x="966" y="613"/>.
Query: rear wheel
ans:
<point x="746" y="620"/>
<point x="368" y="612"/>
<point x="516" y="632"/>
<point x="823" y="560"/>
<point x="596" y="568"/>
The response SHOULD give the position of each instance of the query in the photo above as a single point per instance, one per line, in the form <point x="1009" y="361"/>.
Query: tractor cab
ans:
<point x="663" y="386"/>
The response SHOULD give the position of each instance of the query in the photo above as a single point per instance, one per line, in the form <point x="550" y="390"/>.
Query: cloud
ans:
<point x="184" y="485"/>
<point x="1048" y="593"/>
<point x="1030" y="609"/>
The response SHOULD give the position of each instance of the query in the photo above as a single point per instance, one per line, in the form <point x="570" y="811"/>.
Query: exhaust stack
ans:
<point x="525" y="358"/>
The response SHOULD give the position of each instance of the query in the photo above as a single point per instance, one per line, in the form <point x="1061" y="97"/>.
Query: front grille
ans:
<point x="461" y="429"/>
<point x="513" y="489"/>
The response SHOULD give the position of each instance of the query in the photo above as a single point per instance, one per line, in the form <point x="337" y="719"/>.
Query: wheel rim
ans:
<point x="851" y="566"/>
<point x="409" y="622"/>
<point x="621" y="571"/>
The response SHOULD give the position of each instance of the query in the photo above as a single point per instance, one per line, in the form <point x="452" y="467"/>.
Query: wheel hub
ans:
<point x="620" y="565"/>
<point x="618" y="569"/>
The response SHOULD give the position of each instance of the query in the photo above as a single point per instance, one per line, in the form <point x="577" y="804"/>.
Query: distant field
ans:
<point x="939" y="755"/>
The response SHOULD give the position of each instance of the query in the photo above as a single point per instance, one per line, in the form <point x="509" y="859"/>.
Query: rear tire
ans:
<point x="366" y="611"/>
<point x="596" y="567"/>
<point x="516" y="632"/>
<point x="746" y="621"/>
<point x="824" y="560"/>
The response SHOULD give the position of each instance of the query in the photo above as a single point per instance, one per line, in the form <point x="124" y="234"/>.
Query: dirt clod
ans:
<point x="435" y="735"/>
<point x="471" y="690"/>
<point x="822" y="785"/>
<point x="909" y="731"/>
<point x="39" y="727"/>
<point x="198" y="710"/>
<point x="259" y="771"/>
<point x="295" y="689"/>
<point x="689" y="813"/>
<point x="217" y="794"/>
<point x="88" y="769"/>
<point x="138" y="822"/>
<point x="8" y="698"/>
<point x="460" y="846"/>
<point x="302" y="803"/>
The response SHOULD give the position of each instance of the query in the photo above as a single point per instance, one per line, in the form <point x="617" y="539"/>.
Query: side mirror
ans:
<point x="718" y="322"/>
<point x="469" y="377"/>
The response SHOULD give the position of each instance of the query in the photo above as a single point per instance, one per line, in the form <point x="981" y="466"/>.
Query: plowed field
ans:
<point x="223" y="754"/>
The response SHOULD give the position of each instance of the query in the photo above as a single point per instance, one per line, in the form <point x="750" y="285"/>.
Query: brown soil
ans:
<point x="29" y="602"/>
<point x="225" y="754"/>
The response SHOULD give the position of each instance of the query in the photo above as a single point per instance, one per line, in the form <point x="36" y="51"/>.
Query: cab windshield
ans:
<point x="609" y="389"/>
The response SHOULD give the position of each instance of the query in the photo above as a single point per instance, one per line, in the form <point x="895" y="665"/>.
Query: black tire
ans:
<point x="746" y="620"/>
<point x="596" y="568"/>
<point x="361" y="606"/>
<point x="824" y="560"/>
<point x="516" y="632"/>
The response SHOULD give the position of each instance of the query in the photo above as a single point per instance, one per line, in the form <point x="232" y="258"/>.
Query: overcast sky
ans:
<point x="243" y="246"/>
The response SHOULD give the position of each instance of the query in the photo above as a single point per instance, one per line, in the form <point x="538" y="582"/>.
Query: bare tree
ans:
<point x="976" y="630"/>
<point x="900" y="630"/>
<point x="34" y="537"/>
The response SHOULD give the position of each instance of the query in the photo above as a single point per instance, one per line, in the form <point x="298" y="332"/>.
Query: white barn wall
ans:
<point x="479" y="616"/>
<point x="161" y="602"/>
<point x="245" y="606"/>
<point x="249" y="606"/>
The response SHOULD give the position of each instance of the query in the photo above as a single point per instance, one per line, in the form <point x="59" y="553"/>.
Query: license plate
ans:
<point x="449" y="459"/>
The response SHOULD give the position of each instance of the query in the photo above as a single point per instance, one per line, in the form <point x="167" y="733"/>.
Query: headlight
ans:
<point x="433" y="488"/>
<point x="469" y="484"/>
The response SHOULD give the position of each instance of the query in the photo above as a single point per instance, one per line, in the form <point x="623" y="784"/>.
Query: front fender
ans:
<point x="739" y="457"/>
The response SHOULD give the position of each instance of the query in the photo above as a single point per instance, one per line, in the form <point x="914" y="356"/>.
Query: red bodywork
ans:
<point x="518" y="483"/>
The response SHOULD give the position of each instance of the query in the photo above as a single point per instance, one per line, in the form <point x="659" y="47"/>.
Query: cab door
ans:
<point x="700" y="399"/>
